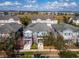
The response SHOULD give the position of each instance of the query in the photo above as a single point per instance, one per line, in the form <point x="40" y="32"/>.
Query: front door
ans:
<point x="40" y="44"/>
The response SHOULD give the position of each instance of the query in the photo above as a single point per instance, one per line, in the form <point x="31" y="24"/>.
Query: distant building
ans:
<point x="69" y="32"/>
<point x="8" y="19"/>
<point x="34" y="33"/>
<point x="44" y="19"/>
<point x="75" y="20"/>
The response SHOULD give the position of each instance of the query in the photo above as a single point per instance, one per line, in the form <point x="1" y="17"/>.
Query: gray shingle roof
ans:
<point x="10" y="27"/>
<point x="63" y="26"/>
<point x="5" y="29"/>
<point x="75" y="18"/>
<point x="7" y="17"/>
<point x="37" y="27"/>
<point x="15" y="26"/>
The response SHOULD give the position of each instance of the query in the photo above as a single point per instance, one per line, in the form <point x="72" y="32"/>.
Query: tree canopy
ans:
<point x="51" y="40"/>
<point x="25" y="20"/>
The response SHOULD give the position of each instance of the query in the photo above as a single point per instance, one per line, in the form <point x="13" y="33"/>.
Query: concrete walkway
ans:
<point x="45" y="52"/>
<point x="42" y="50"/>
<point x="73" y="49"/>
<point x="48" y="52"/>
<point x="34" y="50"/>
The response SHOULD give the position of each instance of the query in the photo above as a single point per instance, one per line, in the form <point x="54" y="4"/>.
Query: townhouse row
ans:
<point x="35" y="31"/>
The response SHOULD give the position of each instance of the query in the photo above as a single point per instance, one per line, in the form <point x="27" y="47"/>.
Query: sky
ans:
<point x="40" y="5"/>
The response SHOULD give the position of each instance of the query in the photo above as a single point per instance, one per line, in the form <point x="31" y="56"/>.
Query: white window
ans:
<point x="39" y="33"/>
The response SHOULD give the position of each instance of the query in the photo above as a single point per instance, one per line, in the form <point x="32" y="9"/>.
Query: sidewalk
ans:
<point x="73" y="49"/>
<point x="42" y="50"/>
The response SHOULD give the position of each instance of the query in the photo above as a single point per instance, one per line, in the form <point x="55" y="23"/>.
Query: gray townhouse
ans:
<point x="68" y="32"/>
<point x="7" y="29"/>
<point x="34" y="32"/>
<point x="74" y="20"/>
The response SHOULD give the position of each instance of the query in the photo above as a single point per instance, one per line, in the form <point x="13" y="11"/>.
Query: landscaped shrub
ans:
<point x="34" y="46"/>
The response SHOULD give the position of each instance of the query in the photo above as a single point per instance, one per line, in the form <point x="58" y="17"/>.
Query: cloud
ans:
<point x="31" y="1"/>
<point x="59" y="5"/>
<point x="8" y="3"/>
<point x="16" y="3"/>
<point x="28" y="6"/>
<point x="64" y="4"/>
<point x="46" y="6"/>
<point x="31" y="4"/>
<point x="49" y="6"/>
<point x="74" y="4"/>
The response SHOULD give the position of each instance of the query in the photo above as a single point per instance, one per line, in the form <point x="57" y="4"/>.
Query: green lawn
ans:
<point x="27" y="54"/>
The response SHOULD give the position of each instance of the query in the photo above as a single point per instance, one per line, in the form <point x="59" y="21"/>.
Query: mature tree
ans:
<point x="65" y="19"/>
<point x="76" y="14"/>
<point x="51" y="40"/>
<point x="60" y="42"/>
<point x="2" y="46"/>
<point x="25" y="20"/>
<point x="6" y="13"/>
<point x="11" y="44"/>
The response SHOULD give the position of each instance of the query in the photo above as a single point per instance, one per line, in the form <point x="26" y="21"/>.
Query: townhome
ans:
<point x="7" y="29"/>
<point x="69" y="32"/>
<point x="74" y="20"/>
<point x="39" y="27"/>
<point x="34" y="32"/>
<point x="8" y="19"/>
